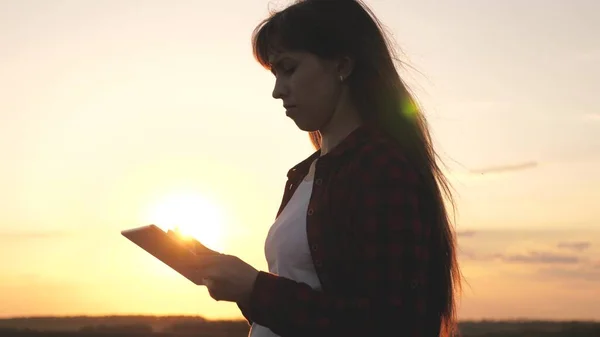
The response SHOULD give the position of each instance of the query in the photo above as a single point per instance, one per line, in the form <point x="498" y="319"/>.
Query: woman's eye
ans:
<point x="284" y="69"/>
<point x="288" y="69"/>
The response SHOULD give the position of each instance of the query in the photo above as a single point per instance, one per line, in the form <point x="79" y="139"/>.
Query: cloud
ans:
<point x="595" y="117"/>
<point x="506" y="168"/>
<point x="532" y="257"/>
<point x="578" y="246"/>
<point x="536" y="257"/>
<point x="467" y="254"/>
<point x="32" y="235"/>
<point x="466" y="233"/>
<point x="588" y="55"/>
<point x="585" y="272"/>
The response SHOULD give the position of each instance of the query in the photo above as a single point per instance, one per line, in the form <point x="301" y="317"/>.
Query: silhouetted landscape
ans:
<point x="164" y="326"/>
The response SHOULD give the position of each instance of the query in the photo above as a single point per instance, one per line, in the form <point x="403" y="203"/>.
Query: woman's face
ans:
<point x="308" y="86"/>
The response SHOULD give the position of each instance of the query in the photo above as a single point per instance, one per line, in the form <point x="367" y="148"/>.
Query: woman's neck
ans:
<point x="345" y="120"/>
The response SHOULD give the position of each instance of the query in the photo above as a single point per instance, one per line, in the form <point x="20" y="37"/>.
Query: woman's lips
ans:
<point x="289" y="109"/>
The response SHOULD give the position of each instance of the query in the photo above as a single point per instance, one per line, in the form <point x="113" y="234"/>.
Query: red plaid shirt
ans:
<point x="371" y="245"/>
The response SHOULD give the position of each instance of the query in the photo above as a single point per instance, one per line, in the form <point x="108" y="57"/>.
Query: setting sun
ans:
<point x="191" y="215"/>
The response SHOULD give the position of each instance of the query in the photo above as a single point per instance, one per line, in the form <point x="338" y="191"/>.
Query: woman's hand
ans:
<point x="191" y="243"/>
<point x="227" y="277"/>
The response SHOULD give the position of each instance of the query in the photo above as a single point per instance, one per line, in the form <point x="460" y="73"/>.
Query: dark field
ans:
<point x="181" y="326"/>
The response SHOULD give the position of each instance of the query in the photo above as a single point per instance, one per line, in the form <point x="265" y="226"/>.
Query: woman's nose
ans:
<point x="280" y="89"/>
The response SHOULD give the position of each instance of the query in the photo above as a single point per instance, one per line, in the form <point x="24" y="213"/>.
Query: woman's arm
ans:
<point x="392" y="243"/>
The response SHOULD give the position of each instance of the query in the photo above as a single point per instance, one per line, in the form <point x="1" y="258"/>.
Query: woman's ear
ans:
<point x="345" y="66"/>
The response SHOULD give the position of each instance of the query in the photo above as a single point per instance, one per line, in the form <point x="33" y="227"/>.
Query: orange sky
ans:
<point x="113" y="115"/>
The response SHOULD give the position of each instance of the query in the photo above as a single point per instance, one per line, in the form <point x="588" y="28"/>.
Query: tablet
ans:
<point x="166" y="247"/>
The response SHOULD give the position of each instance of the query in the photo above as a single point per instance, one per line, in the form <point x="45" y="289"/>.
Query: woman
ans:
<point x="362" y="244"/>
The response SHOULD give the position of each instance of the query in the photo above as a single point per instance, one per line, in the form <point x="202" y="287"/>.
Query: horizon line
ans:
<point x="470" y="320"/>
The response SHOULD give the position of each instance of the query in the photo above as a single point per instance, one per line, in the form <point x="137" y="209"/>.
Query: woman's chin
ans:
<point x="305" y="126"/>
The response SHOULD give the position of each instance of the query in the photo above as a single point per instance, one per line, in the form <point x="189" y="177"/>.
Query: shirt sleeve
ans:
<point x="391" y="245"/>
<point x="245" y="313"/>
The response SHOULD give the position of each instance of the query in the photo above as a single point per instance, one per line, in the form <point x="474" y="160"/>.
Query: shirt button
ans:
<point x="318" y="263"/>
<point x="319" y="181"/>
<point x="310" y="211"/>
<point x="314" y="247"/>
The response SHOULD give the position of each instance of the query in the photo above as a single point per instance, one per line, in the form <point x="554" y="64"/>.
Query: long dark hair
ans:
<point x="348" y="28"/>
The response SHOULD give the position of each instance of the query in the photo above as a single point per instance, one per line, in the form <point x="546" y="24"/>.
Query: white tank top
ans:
<point x="286" y="247"/>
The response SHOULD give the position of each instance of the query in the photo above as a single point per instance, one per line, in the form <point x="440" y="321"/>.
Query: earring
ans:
<point x="341" y="78"/>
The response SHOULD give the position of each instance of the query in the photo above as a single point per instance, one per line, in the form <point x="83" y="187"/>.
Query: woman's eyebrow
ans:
<point x="276" y="62"/>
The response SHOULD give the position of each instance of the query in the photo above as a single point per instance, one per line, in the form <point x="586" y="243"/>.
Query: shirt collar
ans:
<point x="354" y="140"/>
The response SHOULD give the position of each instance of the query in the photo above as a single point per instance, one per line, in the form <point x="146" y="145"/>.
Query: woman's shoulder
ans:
<point x="381" y="157"/>
<point x="381" y="149"/>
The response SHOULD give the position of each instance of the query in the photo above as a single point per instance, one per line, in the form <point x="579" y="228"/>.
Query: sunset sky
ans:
<point x="115" y="114"/>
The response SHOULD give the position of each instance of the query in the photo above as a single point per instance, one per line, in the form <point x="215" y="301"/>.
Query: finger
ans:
<point x="213" y="289"/>
<point x="199" y="263"/>
<point x="209" y="261"/>
<point x="186" y="243"/>
<point x="213" y="274"/>
<point x="206" y="267"/>
<point x="174" y="234"/>
<point x="201" y="249"/>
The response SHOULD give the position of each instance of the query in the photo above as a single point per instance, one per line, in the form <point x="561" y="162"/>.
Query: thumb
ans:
<point x="209" y="283"/>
